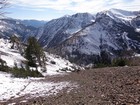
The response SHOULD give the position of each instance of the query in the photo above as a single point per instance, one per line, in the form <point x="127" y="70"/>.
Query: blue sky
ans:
<point x="51" y="9"/>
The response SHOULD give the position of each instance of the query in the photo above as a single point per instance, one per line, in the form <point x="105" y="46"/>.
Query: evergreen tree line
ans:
<point x="123" y="58"/>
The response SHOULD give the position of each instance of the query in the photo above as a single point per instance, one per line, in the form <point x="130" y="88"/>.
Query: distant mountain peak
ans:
<point x="62" y="28"/>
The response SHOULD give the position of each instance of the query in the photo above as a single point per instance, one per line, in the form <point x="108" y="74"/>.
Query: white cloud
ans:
<point x="92" y="6"/>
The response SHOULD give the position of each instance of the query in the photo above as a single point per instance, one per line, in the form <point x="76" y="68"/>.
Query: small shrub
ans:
<point x="3" y="66"/>
<point x="100" y="65"/>
<point x="134" y="61"/>
<point x="23" y="73"/>
<point x="120" y="62"/>
<point x="19" y="72"/>
<point x="53" y="62"/>
<point x="63" y="69"/>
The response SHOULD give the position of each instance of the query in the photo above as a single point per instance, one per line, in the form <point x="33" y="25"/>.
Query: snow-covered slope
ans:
<point x="9" y="55"/>
<point x="121" y="16"/>
<point x="125" y="15"/>
<point x="55" y="64"/>
<point x="11" y="88"/>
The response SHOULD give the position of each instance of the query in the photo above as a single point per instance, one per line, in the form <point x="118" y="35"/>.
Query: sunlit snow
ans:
<point x="11" y="88"/>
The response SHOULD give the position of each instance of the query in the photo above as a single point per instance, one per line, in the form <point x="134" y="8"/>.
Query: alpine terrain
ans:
<point x="59" y="62"/>
<point x="82" y="37"/>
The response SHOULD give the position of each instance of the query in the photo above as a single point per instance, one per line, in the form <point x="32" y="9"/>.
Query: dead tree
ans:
<point x="3" y="4"/>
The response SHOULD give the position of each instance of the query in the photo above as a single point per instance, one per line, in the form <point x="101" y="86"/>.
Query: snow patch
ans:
<point x="57" y="65"/>
<point x="11" y="88"/>
<point x="137" y="29"/>
<point x="72" y="31"/>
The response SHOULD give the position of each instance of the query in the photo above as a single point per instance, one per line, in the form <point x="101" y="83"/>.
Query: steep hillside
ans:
<point x="58" y="30"/>
<point x="54" y="64"/>
<point x="112" y="30"/>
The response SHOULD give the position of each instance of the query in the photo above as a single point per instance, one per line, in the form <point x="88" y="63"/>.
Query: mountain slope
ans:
<point x="112" y="30"/>
<point x="82" y="36"/>
<point x="58" y="30"/>
<point x="9" y="27"/>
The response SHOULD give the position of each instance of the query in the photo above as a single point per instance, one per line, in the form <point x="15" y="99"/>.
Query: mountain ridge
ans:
<point x="115" y="27"/>
<point x="84" y="34"/>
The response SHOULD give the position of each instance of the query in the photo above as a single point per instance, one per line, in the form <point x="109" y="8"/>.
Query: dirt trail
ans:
<point x="103" y="86"/>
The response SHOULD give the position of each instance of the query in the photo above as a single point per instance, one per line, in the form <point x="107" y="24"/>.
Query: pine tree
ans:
<point x="34" y="53"/>
<point x="17" y="44"/>
<point x="14" y="40"/>
<point x="104" y="54"/>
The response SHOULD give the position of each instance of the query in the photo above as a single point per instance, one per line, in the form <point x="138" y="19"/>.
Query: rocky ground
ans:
<point x="102" y="86"/>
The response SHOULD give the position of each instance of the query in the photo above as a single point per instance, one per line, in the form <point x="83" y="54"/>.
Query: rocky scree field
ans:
<point x="102" y="86"/>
